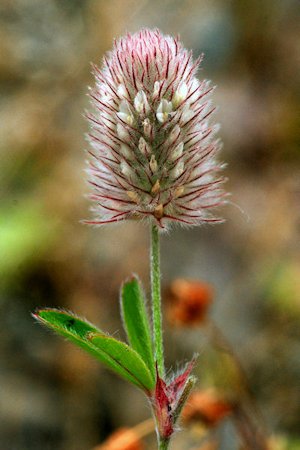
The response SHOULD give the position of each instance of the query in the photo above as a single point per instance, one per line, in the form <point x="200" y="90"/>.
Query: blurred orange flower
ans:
<point x="211" y="445"/>
<point x="206" y="406"/>
<point x="122" y="439"/>
<point x="189" y="301"/>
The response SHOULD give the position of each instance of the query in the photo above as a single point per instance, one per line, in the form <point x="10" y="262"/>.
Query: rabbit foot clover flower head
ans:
<point x="153" y="147"/>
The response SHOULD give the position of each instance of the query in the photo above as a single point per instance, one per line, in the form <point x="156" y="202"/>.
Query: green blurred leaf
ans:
<point x="282" y="287"/>
<point x="26" y="232"/>
<point x="79" y="332"/>
<point x="126" y="357"/>
<point x="136" y="322"/>
<point x="293" y="444"/>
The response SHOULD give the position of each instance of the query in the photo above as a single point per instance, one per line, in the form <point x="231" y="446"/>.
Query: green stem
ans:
<point x="164" y="444"/>
<point x="156" y="302"/>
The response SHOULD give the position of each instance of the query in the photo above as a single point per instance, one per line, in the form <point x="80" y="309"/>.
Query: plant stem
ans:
<point x="156" y="302"/>
<point x="164" y="444"/>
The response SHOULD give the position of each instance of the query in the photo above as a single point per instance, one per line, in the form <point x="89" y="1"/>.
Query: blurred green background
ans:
<point x="52" y="396"/>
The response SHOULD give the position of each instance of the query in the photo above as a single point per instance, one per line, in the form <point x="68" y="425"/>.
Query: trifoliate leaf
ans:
<point x="79" y="331"/>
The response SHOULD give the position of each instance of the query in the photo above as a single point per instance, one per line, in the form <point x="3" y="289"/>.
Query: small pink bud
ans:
<point x="174" y="134"/>
<point x="156" y="88"/>
<point x="177" y="170"/>
<point x="141" y="103"/>
<point x="156" y="187"/>
<point x="126" y="151"/>
<point x="126" y="169"/>
<point x="180" y="95"/>
<point x="121" y="91"/>
<point x="153" y="164"/>
<point x="125" y="113"/>
<point x="163" y="111"/>
<point x="177" y="151"/>
<point x="148" y="128"/>
<point x="122" y="132"/>
<point x="144" y="148"/>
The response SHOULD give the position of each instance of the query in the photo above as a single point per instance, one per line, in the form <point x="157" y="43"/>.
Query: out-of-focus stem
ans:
<point x="258" y="435"/>
<point x="156" y="301"/>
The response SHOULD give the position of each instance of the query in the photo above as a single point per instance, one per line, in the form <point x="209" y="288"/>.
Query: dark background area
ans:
<point x="52" y="396"/>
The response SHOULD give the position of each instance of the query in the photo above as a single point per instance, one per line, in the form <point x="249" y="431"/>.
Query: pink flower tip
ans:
<point x="153" y="147"/>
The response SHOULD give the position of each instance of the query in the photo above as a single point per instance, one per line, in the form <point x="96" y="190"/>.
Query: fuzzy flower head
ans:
<point x="152" y="145"/>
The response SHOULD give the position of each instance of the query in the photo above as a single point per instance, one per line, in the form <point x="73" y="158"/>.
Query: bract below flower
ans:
<point x="169" y="398"/>
<point x="152" y="145"/>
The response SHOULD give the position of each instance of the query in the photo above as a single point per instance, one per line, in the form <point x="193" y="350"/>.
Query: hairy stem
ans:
<point x="156" y="302"/>
<point x="164" y="444"/>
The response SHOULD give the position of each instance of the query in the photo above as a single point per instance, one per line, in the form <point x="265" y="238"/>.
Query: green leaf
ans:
<point x="79" y="331"/>
<point x="136" y="322"/>
<point x="65" y="323"/>
<point x="126" y="357"/>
